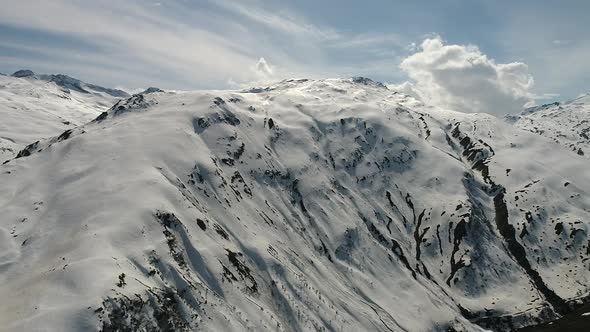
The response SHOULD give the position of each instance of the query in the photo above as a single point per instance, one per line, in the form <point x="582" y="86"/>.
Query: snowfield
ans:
<point x="308" y="205"/>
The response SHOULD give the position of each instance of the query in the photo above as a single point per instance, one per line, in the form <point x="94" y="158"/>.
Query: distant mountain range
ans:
<point x="35" y="106"/>
<point x="69" y="83"/>
<point x="565" y="123"/>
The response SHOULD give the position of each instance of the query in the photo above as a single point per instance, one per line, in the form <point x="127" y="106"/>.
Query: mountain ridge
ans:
<point x="70" y="83"/>
<point x="566" y="123"/>
<point x="304" y="205"/>
<point x="34" y="107"/>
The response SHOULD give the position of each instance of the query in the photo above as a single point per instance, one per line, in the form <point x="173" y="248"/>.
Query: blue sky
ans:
<point x="196" y="44"/>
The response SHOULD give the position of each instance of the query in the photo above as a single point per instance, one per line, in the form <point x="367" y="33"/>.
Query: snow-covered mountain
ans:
<point x="565" y="123"/>
<point x="34" y="107"/>
<point x="325" y="205"/>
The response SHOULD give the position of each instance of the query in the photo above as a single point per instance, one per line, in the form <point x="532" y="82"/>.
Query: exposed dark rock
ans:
<point x="28" y="150"/>
<point x="558" y="228"/>
<point x="65" y="135"/>
<point x="457" y="264"/>
<point x="121" y="282"/>
<point x="519" y="253"/>
<point x="220" y="231"/>
<point x="243" y="270"/>
<point x="151" y="90"/>
<point x="201" y="224"/>
<point x="367" y="81"/>
<point x="23" y="73"/>
<point x="101" y="117"/>
<point x="157" y="310"/>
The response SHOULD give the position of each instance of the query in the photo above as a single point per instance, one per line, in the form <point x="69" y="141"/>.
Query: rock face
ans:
<point x="307" y="205"/>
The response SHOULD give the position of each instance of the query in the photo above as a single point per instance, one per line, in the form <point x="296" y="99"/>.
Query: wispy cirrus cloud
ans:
<point x="282" y="20"/>
<point x="179" y="43"/>
<point x="193" y="44"/>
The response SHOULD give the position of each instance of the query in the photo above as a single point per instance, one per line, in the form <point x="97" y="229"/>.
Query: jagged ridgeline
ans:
<point x="320" y="205"/>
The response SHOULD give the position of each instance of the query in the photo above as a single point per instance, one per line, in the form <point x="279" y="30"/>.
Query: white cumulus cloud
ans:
<point x="462" y="78"/>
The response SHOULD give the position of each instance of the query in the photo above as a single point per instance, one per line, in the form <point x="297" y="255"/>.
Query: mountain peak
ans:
<point x="151" y="89"/>
<point x="367" y="81"/>
<point x="533" y="109"/>
<point x="23" y="73"/>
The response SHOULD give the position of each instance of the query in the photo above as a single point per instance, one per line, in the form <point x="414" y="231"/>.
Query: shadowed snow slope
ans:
<point x="33" y="107"/>
<point x="307" y="205"/>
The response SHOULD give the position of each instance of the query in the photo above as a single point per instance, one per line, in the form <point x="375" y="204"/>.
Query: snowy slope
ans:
<point x="33" y="107"/>
<point x="330" y="205"/>
<point x="565" y="123"/>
